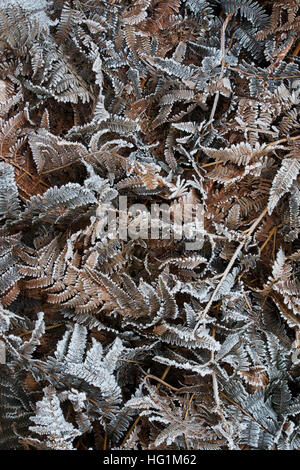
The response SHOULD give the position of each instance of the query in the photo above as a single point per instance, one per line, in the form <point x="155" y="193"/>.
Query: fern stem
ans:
<point x="282" y="141"/>
<point x="215" y="385"/>
<point x="161" y="382"/>
<point x="231" y="263"/>
<point x="261" y="77"/>
<point x="271" y="233"/>
<point x="11" y="162"/>
<point x="57" y="325"/>
<point x="105" y="442"/>
<point x="222" y="394"/>
<point x="223" y="53"/>
<point x="211" y="163"/>
<point x="297" y="50"/>
<point x="166" y="371"/>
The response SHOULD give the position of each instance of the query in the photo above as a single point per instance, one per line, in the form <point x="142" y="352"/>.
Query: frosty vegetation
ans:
<point x="141" y="343"/>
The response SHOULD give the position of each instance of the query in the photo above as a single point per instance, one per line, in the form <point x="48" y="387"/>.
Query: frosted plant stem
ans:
<point x="231" y="263"/>
<point x="223" y="52"/>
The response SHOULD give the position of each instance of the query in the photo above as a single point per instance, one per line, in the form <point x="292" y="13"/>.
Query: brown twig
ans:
<point x="57" y="325"/>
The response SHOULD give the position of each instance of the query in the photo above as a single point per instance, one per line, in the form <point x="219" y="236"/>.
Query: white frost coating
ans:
<point x="50" y="421"/>
<point x="31" y="6"/>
